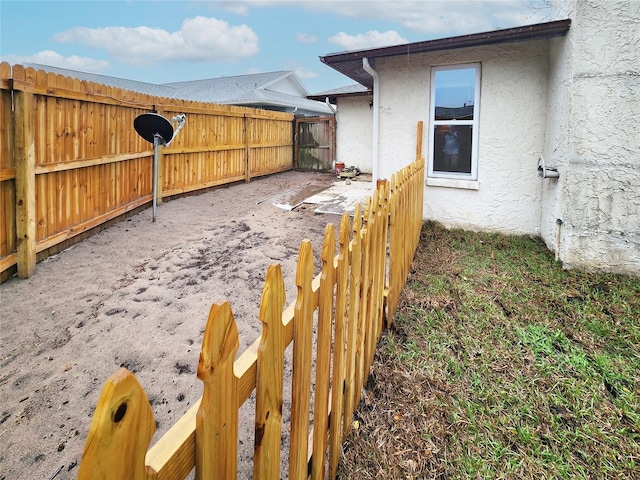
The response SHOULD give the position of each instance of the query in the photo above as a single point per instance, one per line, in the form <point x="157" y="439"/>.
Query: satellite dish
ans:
<point x="156" y="129"/>
<point x="148" y="125"/>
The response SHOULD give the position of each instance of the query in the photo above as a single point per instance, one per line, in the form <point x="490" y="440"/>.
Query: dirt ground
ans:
<point x="137" y="295"/>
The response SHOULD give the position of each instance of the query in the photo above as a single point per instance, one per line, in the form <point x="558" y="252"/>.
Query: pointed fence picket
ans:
<point x="217" y="418"/>
<point x="270" y="378"/>
<point x="351" y="300"/>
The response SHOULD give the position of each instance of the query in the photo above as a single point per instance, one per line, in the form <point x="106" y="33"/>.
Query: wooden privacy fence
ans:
<point x="70" y="159"/>
<point x="348" y="302"/>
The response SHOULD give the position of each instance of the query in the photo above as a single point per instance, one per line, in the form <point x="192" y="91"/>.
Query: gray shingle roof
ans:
<point x="260" y="90"/>
<point x="140" y="87"/>
<point x="282" y="90"/>
<point x="225" y="89"/>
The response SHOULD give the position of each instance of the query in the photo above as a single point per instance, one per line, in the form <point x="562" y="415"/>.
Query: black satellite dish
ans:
<point x="148" y="125"/>
<point x="156" y="129"/>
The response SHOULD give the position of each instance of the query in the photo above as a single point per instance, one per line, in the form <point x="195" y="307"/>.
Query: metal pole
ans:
<point x="157" y="139"/>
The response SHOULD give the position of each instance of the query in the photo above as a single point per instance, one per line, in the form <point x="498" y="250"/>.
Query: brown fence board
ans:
<point x="301" y="381"/>
<point x="112" y="452"/>
<point x="8" y="238"/>
<point x="354" y="323"/>
<point x="270" y="378"/>
<point x="338" y="377"/>
<point x="217" y="417"/>
<point x="322" y="385"/>
<point x="24" y="157"/>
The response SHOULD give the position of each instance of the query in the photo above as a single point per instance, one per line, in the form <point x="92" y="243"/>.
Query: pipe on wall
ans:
<point x="375" y="160"/>
<point x="326" y="100"/>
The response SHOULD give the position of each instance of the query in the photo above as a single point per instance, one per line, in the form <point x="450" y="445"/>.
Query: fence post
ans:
<point x="269" y="378"/>
<point x="25" y="177"/>
<point x="383" y="225"/>
<point x="338" y="377"/>
<point x="120" y="431"/>
<point x="302" y="344"/>
<point x="352" y="394"/>
<point x="323" y="355"/>
<point x="362" y="299"/>
<point x="247" y="150"/>
<point x="366" y="309"/>
<point x="217" y="417"/>
<point x="395" y="251"/>
<point x="419" y="186"/>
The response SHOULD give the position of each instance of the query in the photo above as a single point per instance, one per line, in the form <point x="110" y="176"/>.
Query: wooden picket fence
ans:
<point x="71" y="161"/>
<point x="349" y="301"/>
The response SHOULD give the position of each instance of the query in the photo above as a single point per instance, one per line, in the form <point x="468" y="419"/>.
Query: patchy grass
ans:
<point x="500" y="364"/>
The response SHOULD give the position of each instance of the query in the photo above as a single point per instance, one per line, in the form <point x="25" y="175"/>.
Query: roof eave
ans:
<point x="333" y="96"/>
<point x="260" y="103"/>
<point x="350" y="63"/>
<point x="287" y="74"/>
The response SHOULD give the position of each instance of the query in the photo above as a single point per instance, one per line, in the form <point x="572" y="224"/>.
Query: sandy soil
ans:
<point x="137" y="295"/>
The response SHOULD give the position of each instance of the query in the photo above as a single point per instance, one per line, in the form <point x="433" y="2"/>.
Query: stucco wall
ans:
<point x="513" y="107"/>
<point x="597" y="150"/>
<point x="354" y="132"/>
<point x="556" y="141"/>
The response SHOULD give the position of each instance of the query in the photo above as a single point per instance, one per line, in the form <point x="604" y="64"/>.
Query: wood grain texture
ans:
<point x="270" y="378"/>
<point x="120" y="432"/>
<point x="217" y="417"/>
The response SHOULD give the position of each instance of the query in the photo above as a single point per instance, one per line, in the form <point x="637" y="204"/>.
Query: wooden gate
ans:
<point x="315" y="143"/>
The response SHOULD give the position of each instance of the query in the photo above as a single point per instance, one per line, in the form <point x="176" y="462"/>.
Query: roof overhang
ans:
<point x="321" y="97"/>
<point x="350" y="63"/>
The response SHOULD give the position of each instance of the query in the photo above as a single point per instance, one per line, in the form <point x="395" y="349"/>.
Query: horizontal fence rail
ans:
<point x="350" y="304"/>
<point x="70" y="159"/>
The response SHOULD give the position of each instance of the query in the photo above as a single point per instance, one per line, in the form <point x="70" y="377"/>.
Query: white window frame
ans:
<point x="433" y="123"/>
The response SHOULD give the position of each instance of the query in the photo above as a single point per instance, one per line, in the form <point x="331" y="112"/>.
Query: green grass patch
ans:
<point x="501" y="364"/>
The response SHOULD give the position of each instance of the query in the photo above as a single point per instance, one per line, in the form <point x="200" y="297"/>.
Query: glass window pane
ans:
<point x="455" y="93"/>
<point x="452" y="148"/>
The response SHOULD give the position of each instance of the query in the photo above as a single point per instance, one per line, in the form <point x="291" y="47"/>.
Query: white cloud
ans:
<point x="199" y="39"/>
<point x="54" y="59"/>
<point x="306" y="38"/>
<point x="371" y="39"/>
<point x="427" y="18"/>
<point x="301" y="71"/>
<point x="234" y="7"/>
<point x="438" y="18"/>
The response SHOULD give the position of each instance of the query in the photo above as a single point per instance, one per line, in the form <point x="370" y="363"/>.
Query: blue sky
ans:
<point x="168" y="41"/>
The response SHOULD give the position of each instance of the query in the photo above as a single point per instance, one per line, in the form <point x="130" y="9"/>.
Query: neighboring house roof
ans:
<point x="350" y="63"/>
<point x="355" y="90"/>
<point x="455" y="113"/>
<point x="239" y="87"/>
<point x="275" y="90"/>
<point x="280" y="91"/>
<point x="140" y="87"/>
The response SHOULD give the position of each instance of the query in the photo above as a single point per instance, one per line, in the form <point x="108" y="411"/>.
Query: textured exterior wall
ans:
<point x="596" y="78"/>
<point x="575" y="99"/>
<point x="404" y="100"/>
<point x="513" y="106"/>
<point x="355" y="132"/>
